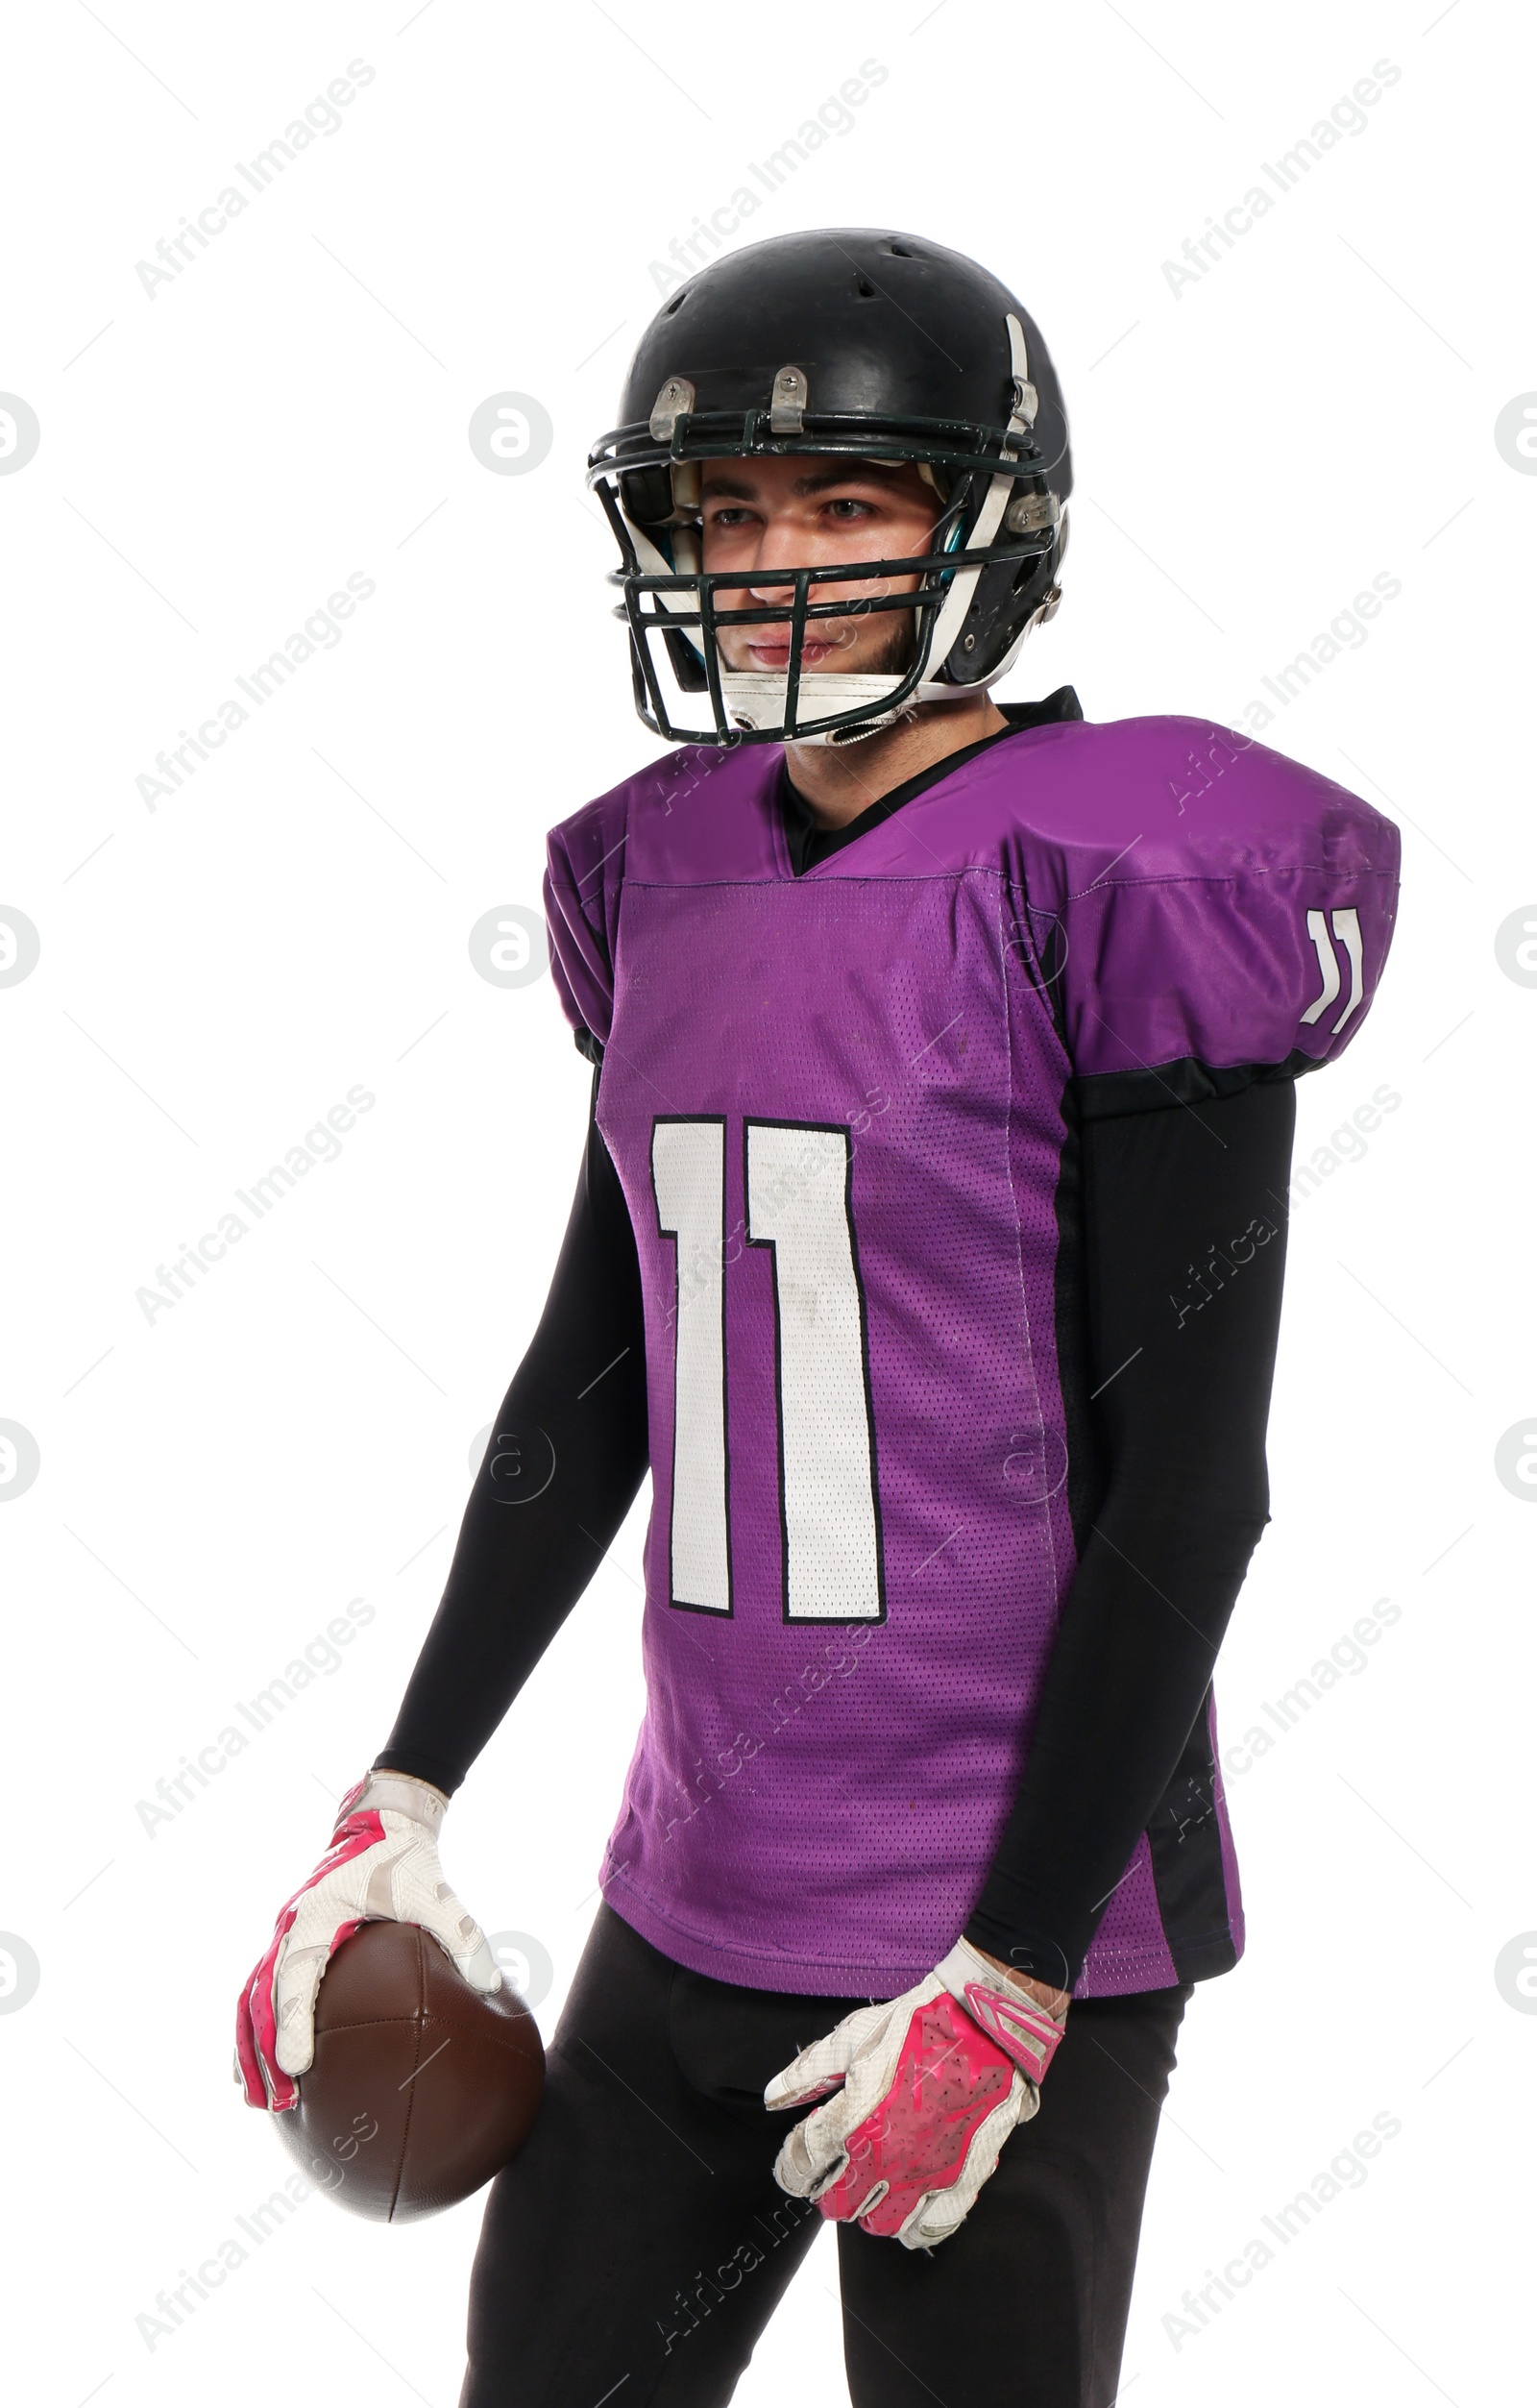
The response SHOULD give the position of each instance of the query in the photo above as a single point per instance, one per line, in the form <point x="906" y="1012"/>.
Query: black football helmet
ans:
<point x="853" y="342"/>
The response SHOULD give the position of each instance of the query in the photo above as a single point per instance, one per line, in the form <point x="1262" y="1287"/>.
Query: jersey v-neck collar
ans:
<point x="806" y="843"/>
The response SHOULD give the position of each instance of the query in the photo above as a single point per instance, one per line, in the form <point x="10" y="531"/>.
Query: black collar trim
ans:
<point x="808" y="844"/>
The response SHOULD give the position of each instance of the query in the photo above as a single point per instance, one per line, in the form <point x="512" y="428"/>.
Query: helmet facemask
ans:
<point x="986" y="576"/>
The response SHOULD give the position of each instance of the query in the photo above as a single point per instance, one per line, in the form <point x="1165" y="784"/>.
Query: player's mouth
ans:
<point x="772" y="653"/>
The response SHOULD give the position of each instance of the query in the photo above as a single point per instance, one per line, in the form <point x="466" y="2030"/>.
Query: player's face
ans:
<point x="766" y="515"/>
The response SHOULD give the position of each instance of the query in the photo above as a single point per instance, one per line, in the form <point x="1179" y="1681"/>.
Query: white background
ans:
<point x="1317" y="408"/>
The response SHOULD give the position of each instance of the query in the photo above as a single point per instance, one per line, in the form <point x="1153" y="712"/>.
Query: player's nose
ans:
<point x="784" y="544"/>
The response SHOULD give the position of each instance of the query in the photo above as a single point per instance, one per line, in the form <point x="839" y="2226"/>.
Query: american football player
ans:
<point x="927" y="1251"/>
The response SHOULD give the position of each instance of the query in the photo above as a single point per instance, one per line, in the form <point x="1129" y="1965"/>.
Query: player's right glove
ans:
<point x="381" y="1867"/>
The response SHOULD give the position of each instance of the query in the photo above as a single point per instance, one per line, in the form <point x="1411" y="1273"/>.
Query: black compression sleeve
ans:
<point x="521" y="1565"/>
<point x="1182" y="1345"/>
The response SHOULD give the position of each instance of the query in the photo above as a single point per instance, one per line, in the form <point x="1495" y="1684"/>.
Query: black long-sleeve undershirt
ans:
<point x="1179" y="1373"/>
<point x="565" y="1459"/>
<point x="1181" y="1341"/>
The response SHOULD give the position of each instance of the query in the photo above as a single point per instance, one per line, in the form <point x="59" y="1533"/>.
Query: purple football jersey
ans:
<point x="838" y="1105"/>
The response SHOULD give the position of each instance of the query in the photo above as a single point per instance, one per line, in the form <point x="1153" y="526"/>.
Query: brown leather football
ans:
<point x="422" y="2088"/>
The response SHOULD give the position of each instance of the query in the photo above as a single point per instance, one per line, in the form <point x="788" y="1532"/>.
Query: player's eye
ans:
<point x="845" y="509"/>
<point x="729" y="514"/>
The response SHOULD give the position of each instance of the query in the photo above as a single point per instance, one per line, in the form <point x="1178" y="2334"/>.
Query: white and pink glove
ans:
<point x="381" y="1867"/>
<point x="930" y="2086"/>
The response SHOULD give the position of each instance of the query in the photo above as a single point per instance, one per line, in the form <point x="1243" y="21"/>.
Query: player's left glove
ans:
<point x="930" y="2085"/>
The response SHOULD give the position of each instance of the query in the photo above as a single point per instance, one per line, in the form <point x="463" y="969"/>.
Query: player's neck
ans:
<point x="840" y="781"/>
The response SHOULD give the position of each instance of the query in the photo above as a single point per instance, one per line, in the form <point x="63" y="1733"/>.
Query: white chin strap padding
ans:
<point x="759" y="698"/>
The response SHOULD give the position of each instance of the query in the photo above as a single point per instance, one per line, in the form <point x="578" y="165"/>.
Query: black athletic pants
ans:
<point x="638" y="2247"/>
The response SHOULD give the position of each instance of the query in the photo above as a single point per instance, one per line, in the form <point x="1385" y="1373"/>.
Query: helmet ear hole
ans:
<point x="1008" y="600"/>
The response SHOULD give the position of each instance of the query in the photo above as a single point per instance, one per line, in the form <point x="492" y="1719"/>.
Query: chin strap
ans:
<point x="756" y="699"/>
